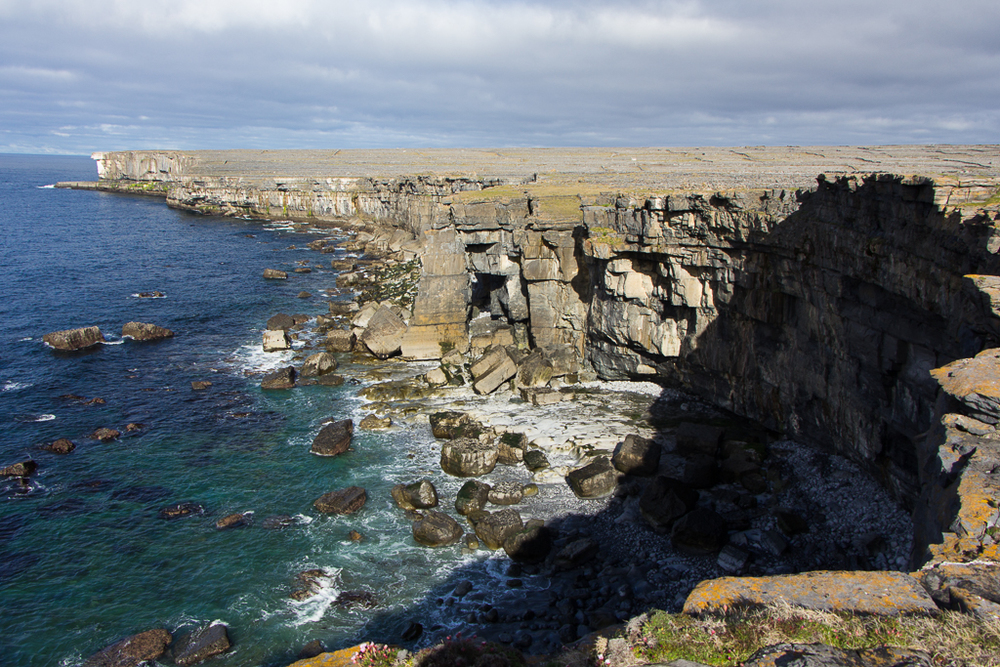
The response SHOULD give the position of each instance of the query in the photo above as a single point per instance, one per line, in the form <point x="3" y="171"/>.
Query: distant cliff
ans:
<point x="817" y="306"/>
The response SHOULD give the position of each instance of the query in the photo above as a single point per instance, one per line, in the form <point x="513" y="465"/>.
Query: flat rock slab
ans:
<point x="881" y="593"/>
<point x="975" y="382"/>
<point x="821" y="655"/>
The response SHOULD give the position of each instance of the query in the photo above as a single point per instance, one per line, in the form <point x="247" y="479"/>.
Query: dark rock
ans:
<point x="664" y="501"/>
<point x="132" y="427"/>
<point x="535" y="370"/>
<point x="133" y="651"/>
<point x="151" y="295"/>
<point x="700" y="532"/>
<point x="535" y="460"/>
<point x="468" y="457"/>
<point x="331" y="380"/>
<point x="105" y="434"/>
<point x="280" y="322"/>
<point x="531" y="544"/>
<point x="304" y="295"/>
<point x="355" y="536"/>
<point x="60" y="446"/>
<point x="821" y="655"/>
<point x="506" y="493"/>
<point x="74" y="339"/>
<point x="495" y="528"/>
<point x="356" y="599"/>
<point x="201" y="645"/>
<point x="333" y="439"/>
<point x="238" y="520"/>
<point x="342" y="501"/>
<point x="436" y="529"/>
<point x="595" y="480"/>
<point x="698" y="438"/>
<point x="178" y="510"/>
<point x="145" y="331"/>
<point x="754" y="482"/>
<point x="318" y="364"/>
<point x="283" y="378"/>
<point x="311" y="650"/>
<point x="511" y="448"/>
<point x="451" y="425"/>
<point x="412" y="632"/>
<point x="277" y="522"/>
<point x="472" y="497"/>
<point x="576" y="553"/>
<point x="732" y="559"/>
<point x="637" y="456"/>
<point x="22" y="469"/>
<point x="416" y="496"/>
<point x="790" y="522"/>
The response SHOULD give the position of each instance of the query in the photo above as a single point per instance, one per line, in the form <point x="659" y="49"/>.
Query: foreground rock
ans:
<point x="342" y="501"/>
<point x="133" y="651"/>
<point x="74" y="339"/>
<point x="436" y="529"/>
<point x="882" y="593"/>
<point x="468" y="457"/>
<point x="821" y="655"/>
<point x="201" y="645"/>
<point x="333" y="439"/>
<point x="144" y="331"/>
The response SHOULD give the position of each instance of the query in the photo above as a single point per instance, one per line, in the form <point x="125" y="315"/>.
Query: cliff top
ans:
<point x="710" y="168"/>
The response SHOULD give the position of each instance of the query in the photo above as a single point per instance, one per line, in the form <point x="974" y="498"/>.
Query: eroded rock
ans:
<point x="74" y="339"/>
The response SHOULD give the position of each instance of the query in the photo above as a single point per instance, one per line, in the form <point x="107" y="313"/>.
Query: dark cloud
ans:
<point x="105" y="74"/>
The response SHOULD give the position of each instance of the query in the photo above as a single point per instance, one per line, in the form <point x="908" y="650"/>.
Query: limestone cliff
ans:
<point x="817" y="306"/>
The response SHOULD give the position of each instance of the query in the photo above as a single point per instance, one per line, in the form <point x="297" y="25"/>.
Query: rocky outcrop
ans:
<point x="73" y="339"/>
<point x="133" y="651"/>
<point x="145" y="331"/>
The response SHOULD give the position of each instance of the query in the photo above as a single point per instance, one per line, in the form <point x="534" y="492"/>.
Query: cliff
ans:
<point x="813" y="290"/>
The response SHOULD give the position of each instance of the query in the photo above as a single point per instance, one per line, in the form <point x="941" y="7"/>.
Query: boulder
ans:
<point x="331" y="380"/>
<point x="333" y="439"/>
<point x="280" y="322"/>
<point x="436" y="377"/>
<point x="318" y="364"/>
<point x="637" y="456"/>
<point x="531" y="544"/>
<point x="238" y="520"/>
<point x="275" y="274"/>
<point x="342" y="501"/>
<point x="564" y="359"/>
<point x="340" y="340"/>
<point x="492" y="370"/>
<point x="511" y="448"/>
<point x="283" y="378"/>
<point x="472" y="497"/>
<point x="201" y="645"/>
<point x="535" y="370"/>
<point x="276" y="341"/>
<point x="145" y="331"/>
<point x="700" y="438"/>
<point x="73" y="339"/>
<point x="364" y="315"/>
<point x="495" y="528"/>
<point x="595" y="480"/>
<point x="451" y="425"/>
<point x="22" y="469"/>
<point x="700" y="532"/>
<point x="576" y="553"/>
<point x="436" y="529"/>
<point x="343" y="264"/>
<point x="416" y="496"/>
<point x="384" y="333"/>
<point x="535" y="460"/>
<point x="60" y="446"/>
<point x="133" y="651"/>
<point x="105" y="434"/>
<point x="506" y="493"/>
<point x="468" y="457"/>
<point x="697" y="470"/>
<point x="665" y="500"/>
<point x="373" y="422"/>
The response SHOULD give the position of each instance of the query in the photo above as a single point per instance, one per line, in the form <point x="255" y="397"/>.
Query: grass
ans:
<point x="951" y="638"/>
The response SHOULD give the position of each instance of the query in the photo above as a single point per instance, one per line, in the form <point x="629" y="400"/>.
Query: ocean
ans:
<point x="85" y="557"/>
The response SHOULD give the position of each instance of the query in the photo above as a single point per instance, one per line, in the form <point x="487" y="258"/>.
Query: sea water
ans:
<point x="85" y="557"/>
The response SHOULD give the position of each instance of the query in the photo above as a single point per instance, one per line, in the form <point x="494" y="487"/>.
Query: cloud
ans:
<point x="254" y="73"/>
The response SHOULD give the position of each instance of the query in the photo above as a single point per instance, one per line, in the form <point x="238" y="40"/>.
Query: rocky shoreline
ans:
<point x="509" y="307"/>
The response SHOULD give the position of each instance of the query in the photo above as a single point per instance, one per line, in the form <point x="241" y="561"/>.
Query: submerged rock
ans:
<point x="178" y="510"/>
<point x="133" y="651"/>
<point x="275" y="274"/>
<point x="238" y="520"/>
<point x="74" y="339"/>
<point x="60" y="446"/>
<point x="105" y="434"/>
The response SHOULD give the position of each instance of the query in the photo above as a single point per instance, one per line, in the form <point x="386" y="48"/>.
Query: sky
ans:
<point x="78" y="76"/>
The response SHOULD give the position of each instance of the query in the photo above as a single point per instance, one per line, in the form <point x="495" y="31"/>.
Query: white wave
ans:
<point x="25" y="339"/>
<point x="251" y="357"/>
<point x="314" y="608"/>
<point x="114" y="342"/>
<point x="32" y="418"/>
<point x="46" y="187"/>
<point x="11" y="385"/>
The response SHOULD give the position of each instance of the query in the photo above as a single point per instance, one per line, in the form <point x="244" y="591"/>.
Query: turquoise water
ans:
<point x="85" y="558"/>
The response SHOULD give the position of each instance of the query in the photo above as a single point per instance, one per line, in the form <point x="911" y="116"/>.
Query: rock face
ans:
<point x="468" y="457"/>
<point x="133" y="651"/>
<point x="74" y="339"/>
<point x="201" y="645"/>
<point x="333" y="439"/>
<point x="145" y="331"/>
<point x="343" y="501"/>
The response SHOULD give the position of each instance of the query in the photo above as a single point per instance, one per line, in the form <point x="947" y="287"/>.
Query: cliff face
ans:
<point x="819" y="312"/>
